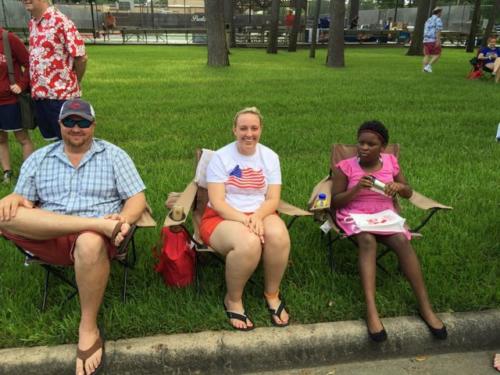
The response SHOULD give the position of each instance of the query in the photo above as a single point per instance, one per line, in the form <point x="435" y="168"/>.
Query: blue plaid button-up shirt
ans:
<point x="105" y="178"/>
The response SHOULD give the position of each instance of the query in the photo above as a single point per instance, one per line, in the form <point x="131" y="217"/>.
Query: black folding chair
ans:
<point x="127" y="259"/>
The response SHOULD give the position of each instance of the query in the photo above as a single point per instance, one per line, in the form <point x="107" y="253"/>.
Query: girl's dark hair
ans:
<point x="375" y="127"/>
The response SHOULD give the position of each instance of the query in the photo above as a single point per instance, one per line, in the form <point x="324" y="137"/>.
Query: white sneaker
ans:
<point x="428" y="69"/>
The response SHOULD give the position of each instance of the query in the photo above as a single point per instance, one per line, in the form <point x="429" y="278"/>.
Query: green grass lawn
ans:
<point x="161" y="103"/>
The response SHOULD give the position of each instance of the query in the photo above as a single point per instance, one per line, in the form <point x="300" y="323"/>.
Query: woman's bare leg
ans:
<point x="275" y="261"/>
<point x="242" y="250"/>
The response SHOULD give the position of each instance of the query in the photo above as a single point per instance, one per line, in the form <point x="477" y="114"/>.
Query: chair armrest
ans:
<point x="291" y="210"/>
<point x="424" y="203"/>
<point x="146" y="220"/>
<point x="325" y="187"/>
<point x="185" y="200"/>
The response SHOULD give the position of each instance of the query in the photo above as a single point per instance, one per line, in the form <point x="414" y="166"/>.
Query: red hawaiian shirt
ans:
<point x="54" y="43"/>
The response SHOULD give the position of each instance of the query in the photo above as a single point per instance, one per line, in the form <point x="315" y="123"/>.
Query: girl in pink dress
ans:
<point x="352" y="181"/>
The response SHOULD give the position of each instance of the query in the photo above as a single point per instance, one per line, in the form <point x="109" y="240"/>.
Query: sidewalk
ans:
<point x="463" y="363"/>
<point x="230" y="352"/>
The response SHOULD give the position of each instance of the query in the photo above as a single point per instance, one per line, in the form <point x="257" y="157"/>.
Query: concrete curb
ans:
<point x="230" y="352"/>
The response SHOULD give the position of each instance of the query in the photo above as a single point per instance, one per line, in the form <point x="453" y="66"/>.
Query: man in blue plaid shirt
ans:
<point x="75" y="204"/>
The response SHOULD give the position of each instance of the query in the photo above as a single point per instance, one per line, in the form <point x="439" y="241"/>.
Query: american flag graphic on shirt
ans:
<point x="246" y="178"/>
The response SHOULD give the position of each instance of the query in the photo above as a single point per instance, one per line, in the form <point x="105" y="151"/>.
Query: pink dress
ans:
<point x="367" y="201"/>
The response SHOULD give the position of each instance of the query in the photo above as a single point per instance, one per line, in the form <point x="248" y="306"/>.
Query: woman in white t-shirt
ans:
<point x="240" y="221"/>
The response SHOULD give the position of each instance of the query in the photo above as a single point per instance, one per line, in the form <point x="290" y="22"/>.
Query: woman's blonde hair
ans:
<point x="253" y="110"/>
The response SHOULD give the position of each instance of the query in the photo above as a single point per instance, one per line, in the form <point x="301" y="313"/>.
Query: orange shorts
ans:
<point x="57" y="251"/>
<point x="209" y="221"/>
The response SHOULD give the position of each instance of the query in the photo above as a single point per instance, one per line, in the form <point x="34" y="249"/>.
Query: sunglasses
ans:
<point x="82" y="123"/>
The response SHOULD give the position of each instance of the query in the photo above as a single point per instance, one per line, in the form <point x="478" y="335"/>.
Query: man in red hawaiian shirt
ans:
<point x="57" y="63"/>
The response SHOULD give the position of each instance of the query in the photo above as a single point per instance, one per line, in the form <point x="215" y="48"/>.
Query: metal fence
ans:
<point x="184" y="22"/>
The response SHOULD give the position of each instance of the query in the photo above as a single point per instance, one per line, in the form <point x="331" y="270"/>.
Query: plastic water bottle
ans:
<point x="321" y="201"/>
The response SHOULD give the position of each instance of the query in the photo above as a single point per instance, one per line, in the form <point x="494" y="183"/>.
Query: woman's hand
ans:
<point x="256" y="225"/>
<point x="393" y="188"/>
<point x="15" y="88"/>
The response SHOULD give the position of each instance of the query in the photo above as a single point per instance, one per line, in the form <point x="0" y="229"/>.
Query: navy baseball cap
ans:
<point x="77" y="107"/>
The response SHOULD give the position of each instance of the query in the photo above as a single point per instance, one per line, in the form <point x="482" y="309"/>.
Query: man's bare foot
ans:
<point x="86" y="341"/>
<point x="496" y="362"/>
<point x="236" y="308"/>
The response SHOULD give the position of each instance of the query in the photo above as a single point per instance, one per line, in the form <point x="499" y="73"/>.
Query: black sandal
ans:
<point x="242" y="317"/>
<point x="277" y="313"/>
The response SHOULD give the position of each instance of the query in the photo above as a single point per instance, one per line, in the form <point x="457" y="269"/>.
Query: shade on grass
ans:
<point x="161" y="103"/>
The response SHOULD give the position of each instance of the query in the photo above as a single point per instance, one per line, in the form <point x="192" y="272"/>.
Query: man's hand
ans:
<point x="10" y="204"/>
<point x="118" y="217"/>
<point x="15" y="88"/>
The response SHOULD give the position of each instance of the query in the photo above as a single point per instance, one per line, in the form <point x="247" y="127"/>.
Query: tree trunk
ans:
<point x="229" y="22"/>
<point x="476" y="15"/>
<point x="216" y="36"/>
<point x="335" y="57"/>
<point x="292" y="43"/>
<point x="272" y="43"/>
<point x="314" y="36"/>
<point x="432" y="5"/>
<point x="353" y="10"/>
<point x="417" y="46"/>
<point x="491" y="22"/>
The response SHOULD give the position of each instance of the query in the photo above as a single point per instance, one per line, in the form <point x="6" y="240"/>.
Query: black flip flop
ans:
<point x="242" y="317"/>
<point x="277" y="313"/>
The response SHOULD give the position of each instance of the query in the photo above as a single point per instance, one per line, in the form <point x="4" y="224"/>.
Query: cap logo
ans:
<point x="75" y="105"/>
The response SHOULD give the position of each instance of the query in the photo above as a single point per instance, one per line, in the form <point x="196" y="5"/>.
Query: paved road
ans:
<point x="471" y="363"/>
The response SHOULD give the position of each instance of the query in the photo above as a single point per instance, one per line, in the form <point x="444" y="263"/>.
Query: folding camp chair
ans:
<point x="195" y="198"/>
<point x="478" y="68"/>
<point x="327" y="215"/>
<point x="126" y="260"/>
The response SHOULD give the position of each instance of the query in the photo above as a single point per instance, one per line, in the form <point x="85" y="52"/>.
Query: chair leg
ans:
<point x="45" y="290"/>
<point x="60" y="275"/>
<point x="197" y="273"/>
<point x="329" y="245"/>
<point x="379" y="257"/>
<point x="124" y="286"/>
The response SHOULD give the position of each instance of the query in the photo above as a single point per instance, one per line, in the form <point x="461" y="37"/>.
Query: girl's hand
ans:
<point x="392" y="188"/>
<point x="15" y="89"/>
<point x="366" y="182"/>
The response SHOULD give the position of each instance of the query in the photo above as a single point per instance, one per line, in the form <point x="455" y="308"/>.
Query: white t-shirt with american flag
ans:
<point x="245" y="178"/>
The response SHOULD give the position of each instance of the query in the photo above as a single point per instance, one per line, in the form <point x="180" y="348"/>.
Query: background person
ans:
<point x="432" y="40"/>
<point x="57" y="63"/>
<point x="351" y="194"/>
<point x="289" y="20"/>
<point x="10" y="114"/>
<point x="240" y="221"/>
<point x="490" y="56"/>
